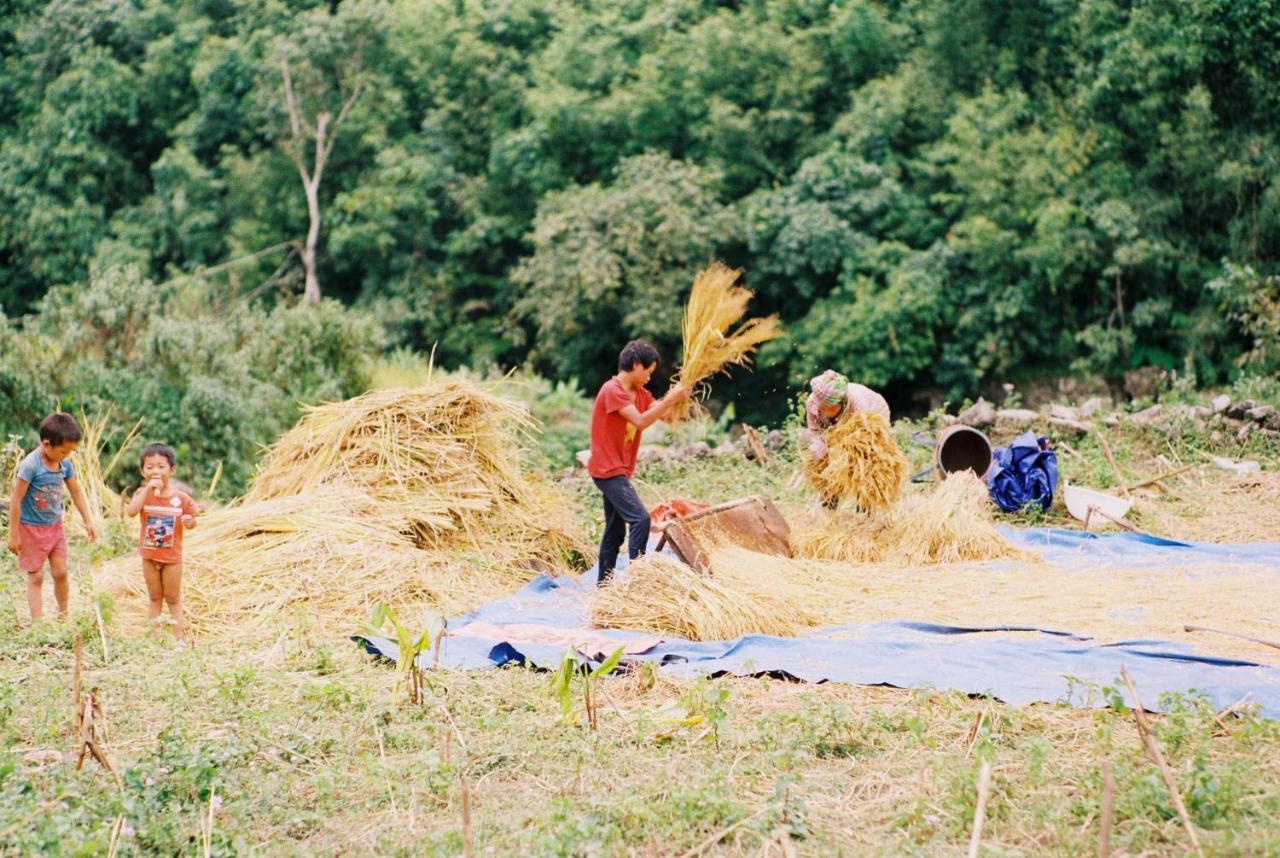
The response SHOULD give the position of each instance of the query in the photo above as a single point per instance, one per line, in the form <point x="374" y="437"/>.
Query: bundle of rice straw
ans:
<point x="410" y="497"/>
<point x="863" y="463"/>
<point x="660" y="594"/>
<point x="952" y="523"/>
<point x="716" y="305"/>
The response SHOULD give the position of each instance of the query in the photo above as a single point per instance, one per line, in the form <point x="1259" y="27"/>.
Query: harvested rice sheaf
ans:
<point x="660" y="594"/>
<point x="715" y="306"/>
<point x="412" y="497"/>
<point x="951" y="523"/>
<point x="863" y="463"/>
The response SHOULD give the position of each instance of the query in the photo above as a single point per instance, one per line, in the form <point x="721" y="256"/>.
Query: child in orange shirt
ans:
<point x="165" y="513"/>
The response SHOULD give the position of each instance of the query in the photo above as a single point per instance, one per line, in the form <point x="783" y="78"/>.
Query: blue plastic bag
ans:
<point x="1024" y="473"/>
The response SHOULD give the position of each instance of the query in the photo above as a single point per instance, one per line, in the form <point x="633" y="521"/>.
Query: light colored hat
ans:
<point x="831" y="387"/>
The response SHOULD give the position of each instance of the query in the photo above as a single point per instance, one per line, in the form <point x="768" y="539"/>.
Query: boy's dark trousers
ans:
<point x="622" y="509"/>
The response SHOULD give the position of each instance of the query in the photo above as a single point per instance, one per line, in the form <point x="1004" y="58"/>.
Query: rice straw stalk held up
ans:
<point x="715" y="306"/>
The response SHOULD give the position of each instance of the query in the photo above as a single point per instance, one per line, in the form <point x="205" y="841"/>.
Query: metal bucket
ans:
<point x="961" y="448"/>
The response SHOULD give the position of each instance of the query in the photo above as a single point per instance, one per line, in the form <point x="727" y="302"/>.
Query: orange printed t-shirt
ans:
<point x="161" y="536"/>
<point x="615" y="441"/>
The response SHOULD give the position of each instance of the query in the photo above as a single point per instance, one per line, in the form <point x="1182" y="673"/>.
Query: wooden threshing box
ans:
<point x="750" y="522"/>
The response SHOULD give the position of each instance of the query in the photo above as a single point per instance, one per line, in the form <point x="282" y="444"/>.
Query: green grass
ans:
<point x="310" y="748"/>
<point x="320" y="754"/>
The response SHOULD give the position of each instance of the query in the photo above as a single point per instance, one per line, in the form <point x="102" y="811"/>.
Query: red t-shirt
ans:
<point x="615" y="441"/>
<point x="161" y="536"/>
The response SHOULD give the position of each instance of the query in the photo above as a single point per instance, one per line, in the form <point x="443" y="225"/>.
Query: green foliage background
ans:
<point x="936" y="196"/>
<point x="217" y="380"/>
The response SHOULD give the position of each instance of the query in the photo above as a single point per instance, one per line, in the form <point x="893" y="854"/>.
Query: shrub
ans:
<point x="216" y="379"/>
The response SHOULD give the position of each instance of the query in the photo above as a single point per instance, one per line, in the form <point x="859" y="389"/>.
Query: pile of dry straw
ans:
<point x="715" y="306"/>
<point x="750" y="592"/>
<point x="950" y="523"/>
<point x="863" y="463"/>
<point x="414" y="497"/>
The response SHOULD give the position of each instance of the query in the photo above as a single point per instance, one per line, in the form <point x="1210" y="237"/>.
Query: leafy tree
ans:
<point x="216" y="378"/>
<point x="1053" y="185"/>
<point x="611" y="263"/>
<point x="322" y="73"/>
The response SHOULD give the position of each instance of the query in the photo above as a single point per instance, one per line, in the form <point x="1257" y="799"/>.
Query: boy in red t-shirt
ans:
<point x="624" y="409"/>
<point x="165" y="514"/>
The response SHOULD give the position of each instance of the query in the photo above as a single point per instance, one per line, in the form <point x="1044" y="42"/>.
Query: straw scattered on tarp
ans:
<point x="746" y="592"/>
<point x="661" y="594"/>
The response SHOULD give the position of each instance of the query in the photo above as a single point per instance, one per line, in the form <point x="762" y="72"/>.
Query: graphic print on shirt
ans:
<point x="161" y="524"/>
<point x="47" y="496"/>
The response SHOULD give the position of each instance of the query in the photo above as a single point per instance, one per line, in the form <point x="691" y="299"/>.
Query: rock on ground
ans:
<point x="1091" y="406"/>
<point x="979" y="415"/>
<point x="1016" y="416"/>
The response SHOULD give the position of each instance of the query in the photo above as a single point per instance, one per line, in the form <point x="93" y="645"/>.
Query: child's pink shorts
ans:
<point x="39" y="543"/>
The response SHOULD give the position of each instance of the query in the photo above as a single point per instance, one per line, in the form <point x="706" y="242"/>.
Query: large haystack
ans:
<point x="415" y="497"/>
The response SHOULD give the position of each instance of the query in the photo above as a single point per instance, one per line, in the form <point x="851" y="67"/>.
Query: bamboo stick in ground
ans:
<point x="92" y="714"/>
<point x="113" y="847"/>
<point x="1111" y="460"/>
<point x="1108" y="809"/>
<point x="1157" y="756"/>
<point x="980" y="812"/>
<point x="974" y="732"/>
<point x="466" y="813"/>
<point x="206" y="824"/>
<point x="102" y="633"/>
<point x="75" y="689"/>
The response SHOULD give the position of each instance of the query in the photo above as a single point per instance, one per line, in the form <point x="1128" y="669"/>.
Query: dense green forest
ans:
<point x="936" y="195"/>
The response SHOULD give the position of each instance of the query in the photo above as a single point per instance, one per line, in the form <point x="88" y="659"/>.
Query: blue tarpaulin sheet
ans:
<point x="1054" y="665"/>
